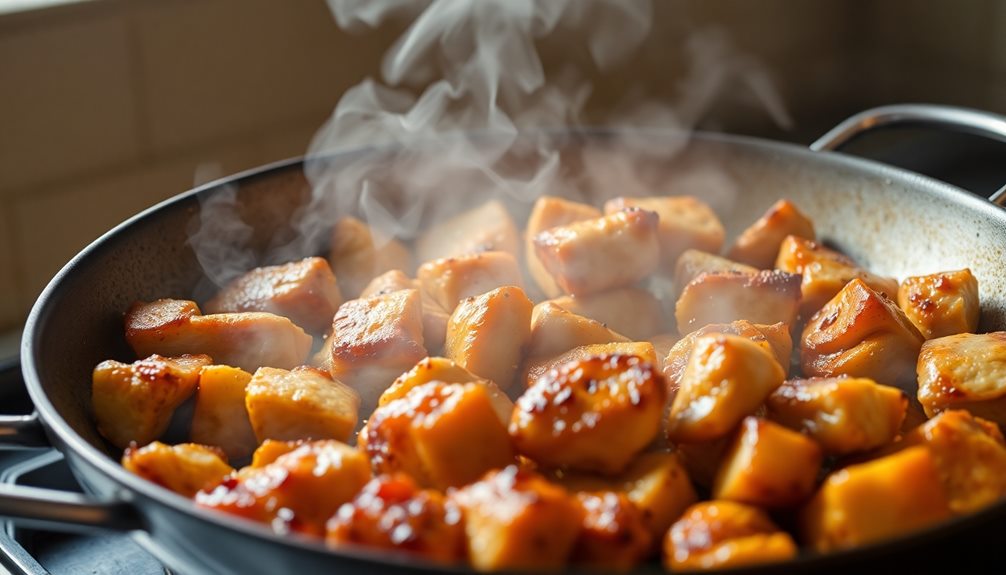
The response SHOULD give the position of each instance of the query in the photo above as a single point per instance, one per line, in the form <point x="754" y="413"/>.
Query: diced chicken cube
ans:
<point x="724" y="534"/>
<point x="592" y="256"/>
<point x="434" y="316"/>
<point x="774" y="338"/>
<point x="693" y="263"/>
<point x="388" y="282"/>
<point x="537" y="367"/>
<point x="685" y="223"/>
<point x="549" y="212"/>
<point x="248" y="340"/>
<point x="271" y="449"/>
<point x="185" y="469"/>
<point x="450" y="280"/>
<point x="486" y="228"/>
<point x="444" y="370"/>
<point x="300" y="404"/>
<point x="941" y="304"/>
<point x="555" y="331"/>
<point x="134" y="402"/>
<point x="220" y="417"/>
<point x="360" y="253"/>
<point x="765" y="297"/>
<point x="964" y="371"/>
<point x="633" y="312"/>
<point x="613" y="535"/>
<point x="758" y="245"/>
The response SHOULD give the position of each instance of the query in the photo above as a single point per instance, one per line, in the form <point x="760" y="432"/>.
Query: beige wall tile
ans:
<point x="66" y="104"/>
<point x="11" y="313"/>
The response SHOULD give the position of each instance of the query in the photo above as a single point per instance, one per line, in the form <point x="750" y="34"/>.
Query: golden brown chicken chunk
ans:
<point x="941" y="304"/>
<point x="596" y="255"/>
<point x="537" y="367"/>
<point x="304" y="291"/>
<point x="388" y="282"/>
<point x="487" y="334"/>
<point x="486" y="228"/>
<point x="515" y="520"/>
<point x="632" y="312"/>
<point x="727" y="378"/>
<point x="768" y="465"/>
<point x="843" y="414"/>
<point x="724" y="534"/>
<point x="271" y="449"/>
<point x="880" y="499"/>
<point x="220" y="417"/>
<point x="443" y="435"/>
<point x="614" y="535"/>
<point x="555" y="331"/>
<point x="185" y="469"/>
<point x="964" y="371"/>
<point x="685" y="223"/>
<point x="693" y="263"/>
<point x="758" y="245"/>
<point x="861" y="333"/>
<point x="450" y="280"/>
<point x="722" y="297"/>
<point x="434" y="316"/>
<point x="391" y="512"/>
<point x="247" y="340"/>
<point x="593" y="414"/>
<point x="549" y="212"/>
<point x="360" y="253"/>
<point x="298" y="492"/>
<point x="134" y="402"/>
<point x="774" y="338"/>
<point x="300" y="404"/>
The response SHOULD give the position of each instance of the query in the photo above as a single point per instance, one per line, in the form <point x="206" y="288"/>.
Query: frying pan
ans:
<point x="894" y="222"/>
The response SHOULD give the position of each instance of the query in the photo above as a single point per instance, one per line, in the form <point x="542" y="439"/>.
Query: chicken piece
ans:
<point x="450" y="280"/>
<point x="304" y="291"/>
<point x="685" y="223"/>
<point x="861" y="333"/>
<point x="941" y="304"/>
<point x="970" y="458"/>
<point x="633" y="312"/>
<point x="693" y="263"/>
<point x="759" y="244"/>
<point x="844" y="415"/>
<point x="185" y="469"/>
<point x="774" y="338"/>
<point x="446" y="371"/>
<point x="388" y="282"/>
<point x="443" y="435"/>
<point x="765" y="297"/>
<point x="724" y="534"/>
<point x="964" y="371"/>
<point x="824" y="273"/>
<point x="655" y="482"/>
<point x="555" y="330"/>
<point x="271" y="449"/>
<point x="768" y="465"/>
<point x="844" y="512"/>
<point x="360" y="253"/>
<point x="515" y="520"/>
<point x="702" y="460"/>
<point x="613" y="536"/>
<point x="134" y="402"/>
<point x="247" y="340"/>
<point x="376" y="339"/>
<point x="300" y="404"/>
<point x="593" y="414"/>
<point x="595" y="255"/>
<point x="727" y="378"/>
<point x="487" y="334"/>
<point x="391" y="512"/>
<point x="486" y="228"/>
<point x="298" y="492"/>
<point x="434" y="316"/>
<point x="536" y="368"/>
<point x="549" y="212"/>
<point x="220" y="417"/>
<point x="663" y="343"/>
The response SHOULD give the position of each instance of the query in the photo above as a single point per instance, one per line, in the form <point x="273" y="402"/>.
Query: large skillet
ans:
<point x="895" y="222"/>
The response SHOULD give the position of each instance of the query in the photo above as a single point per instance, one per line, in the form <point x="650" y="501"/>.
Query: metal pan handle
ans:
<point x="22" y="431"/>
<point x="66" y="511"/>
<point x="929" y="115"/>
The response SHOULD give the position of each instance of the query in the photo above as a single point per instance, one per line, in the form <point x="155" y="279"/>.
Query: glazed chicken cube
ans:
<point x="538" y="367"/>
<point x="134" y="402"/>
<point x="595" y="255"/>
<point x="693" y="263"/>
<point x="374" y="340"/>
<point x="220" y="417"/>
<point x="613" y="536"/>
<point x="549" y="212"/>
<point x="941" y="304"/>
<point x="304" y="291"/>
<point x="633" y="312"/>
<point x="391" y="512"/>
<point x="271" y="449"/>
<point x="359" y="253"/>
<point x="446" y="371"/>
<point x="443" y="435"/>
<point x="964" y="371"/>
<point x="516" y="520"/>
<point x="248" y="340"/>
<point x="685" y="223"/>
<point x="722" y="297"/>
<point x="758" y="245"/>
<point x="487" y="334"/>
<point x="824" y="273"/>
<point x="727" y="377"/>
<point x="486" y="228"/>
<point x="843" y="414"/>
<point x="185" y="469"/>
<point x="846" y="511"/>
<point x="450" y="280"/>
<point x="724" y="534"/>
<point x="774" y="338"/>
<point x="768" y="465"/>
<point x="592" y="414"/>
<point x="298" y="492"/>
<point x="861" y="333"/>
<point x="555" y="331"/>
<point x="300" y="404"/>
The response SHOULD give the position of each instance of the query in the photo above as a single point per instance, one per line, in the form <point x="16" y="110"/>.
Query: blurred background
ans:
<point x="109" y="106"/>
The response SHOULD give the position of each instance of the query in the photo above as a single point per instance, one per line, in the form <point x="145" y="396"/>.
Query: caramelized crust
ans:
<point x="758" y="245"/>
<point x="359" y="254"/>
<point x="613" y="535"/>
<point x="685" y="223"/>
<point x="185" y="469"/>
<point x="536" y="368"/>
<point x="549" y="212"/>
<point x="964" y="371"/>
<point x="633" y="312"/>
<point x="300" y="404"/>
<point x="941" y="304"/>
<point x="774" y="338"/>
<point x="724" y="534"/>
<point x="765" y="297"/>
<point x="441" y="369"/>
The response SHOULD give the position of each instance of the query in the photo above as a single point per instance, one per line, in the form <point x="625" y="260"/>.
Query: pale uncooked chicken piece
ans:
<point x="549" y="212"/>
<point x="360" y="253"/>
<point x="488" y="227"/>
